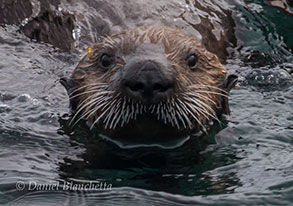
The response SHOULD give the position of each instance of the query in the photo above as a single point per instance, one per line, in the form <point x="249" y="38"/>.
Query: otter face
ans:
<point x="149" y="83"/>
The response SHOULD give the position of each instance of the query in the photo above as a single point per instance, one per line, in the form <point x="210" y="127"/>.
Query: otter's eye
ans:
<point x="106" y="60"/>
<point x="192" y="60"/>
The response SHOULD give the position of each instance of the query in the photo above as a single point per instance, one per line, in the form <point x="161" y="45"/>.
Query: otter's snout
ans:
<point x="146" y="82"/>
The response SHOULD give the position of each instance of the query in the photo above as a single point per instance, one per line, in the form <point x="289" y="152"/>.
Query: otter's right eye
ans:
<point x="192" y="60"/>
<point x="106" y="60"/>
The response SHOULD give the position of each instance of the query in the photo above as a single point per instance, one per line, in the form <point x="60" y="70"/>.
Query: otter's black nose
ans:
<point x="148" y="83"/>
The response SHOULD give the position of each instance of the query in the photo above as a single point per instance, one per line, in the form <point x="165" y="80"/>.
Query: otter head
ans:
<point x="149" y="83"/>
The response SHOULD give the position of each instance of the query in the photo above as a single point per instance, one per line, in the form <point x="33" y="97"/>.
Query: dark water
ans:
<point x="247" y="161"/>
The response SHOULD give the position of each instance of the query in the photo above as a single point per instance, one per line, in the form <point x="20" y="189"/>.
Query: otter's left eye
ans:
<point x="192" y="60"/>
<point x="106" y="60"/>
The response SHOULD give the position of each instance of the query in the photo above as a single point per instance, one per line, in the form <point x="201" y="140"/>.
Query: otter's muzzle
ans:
<point x="146" y="82"/>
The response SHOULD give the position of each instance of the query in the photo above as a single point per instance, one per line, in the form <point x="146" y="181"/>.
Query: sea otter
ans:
<point x="148" y="83"/>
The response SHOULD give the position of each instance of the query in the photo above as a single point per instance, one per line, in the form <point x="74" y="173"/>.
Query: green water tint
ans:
<point x="264" y="34"/>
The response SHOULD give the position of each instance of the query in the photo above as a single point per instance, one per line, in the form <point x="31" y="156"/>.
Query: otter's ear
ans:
<point x="229" y="83"/>
<point x="65" y="83"/>
<point x="70" y="86"/>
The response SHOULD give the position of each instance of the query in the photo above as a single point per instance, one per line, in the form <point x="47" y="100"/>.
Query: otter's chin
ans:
<point x="148" y="130"/>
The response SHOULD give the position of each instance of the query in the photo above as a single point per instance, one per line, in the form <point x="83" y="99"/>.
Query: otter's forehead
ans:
<point x="147" y="51"/>
<point x="167" y="40"/>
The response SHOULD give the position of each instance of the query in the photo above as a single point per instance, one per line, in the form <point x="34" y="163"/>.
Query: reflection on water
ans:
<point x="248" y="160"/>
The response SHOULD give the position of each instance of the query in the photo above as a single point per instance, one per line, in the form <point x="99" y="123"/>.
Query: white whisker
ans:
<point x="89" y="86"/>
<point x="195" y="94"/>
<point x="191" y="113"/>
<point x="207" y="86"/>
<point x="212" y="92"/>
<point x="94" y="110"/>
<point x="92" y="90"/>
